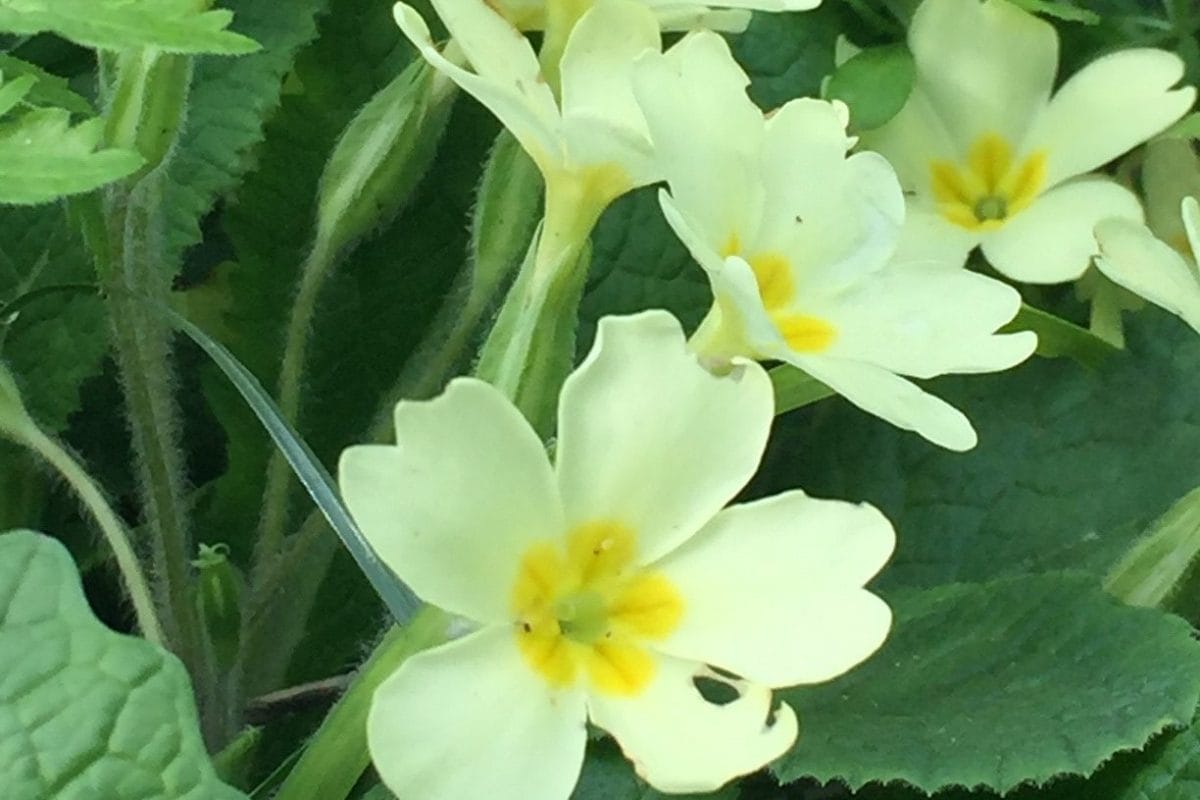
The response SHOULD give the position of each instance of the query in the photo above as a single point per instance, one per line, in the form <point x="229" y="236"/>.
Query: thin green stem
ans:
<point x="110" y="525"/>
<point x="316" y="269"/>
<point x="337" y="754"/>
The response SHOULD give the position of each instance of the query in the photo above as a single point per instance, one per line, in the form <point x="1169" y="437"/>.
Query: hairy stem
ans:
<point x="316" y="269"/>
<point x="125" y="245"/>
<point x="110" y="525"/>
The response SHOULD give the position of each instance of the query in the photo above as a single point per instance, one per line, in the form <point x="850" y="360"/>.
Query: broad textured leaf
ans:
<point x="43" y="157"/>
<point x="1020" y="679"/>
<point x="607" y="775"/>
<point x="228" y="105"/>
<point x="874" y="83"/>
<point x="87" y="713"/>
<point x="59" y="340"/>
<point x="1071" y="464"/>
<point x="176" y="26"/>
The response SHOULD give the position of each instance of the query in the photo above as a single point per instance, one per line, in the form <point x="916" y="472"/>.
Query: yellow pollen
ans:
<point x="583" y="608"/>
<point x="990" y="188"/>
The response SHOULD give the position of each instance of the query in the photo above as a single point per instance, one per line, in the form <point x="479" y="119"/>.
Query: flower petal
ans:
<point x="984" y="67"/>
<point x="602" y="121"/>
<point x="929" y="239"/>
<point x="1053" y="241"/>
<point x="773" y="589"/>
<point x="470" y="719"/>
<point x="679" y="742"/>
<point x="911" y="140"/>
<point x="1108" y="107"/>
<point x="706" y="133"/>
<point x="925" y="321"/>
<point x="674" y="16"/>
<point x="892" y="398"/>
<point x="453" y="507"/>
<point x="507" y="77"/>
<point x="1132" y="257"/>
<point x="835" y="218"/>
<point x="649" y="438"/>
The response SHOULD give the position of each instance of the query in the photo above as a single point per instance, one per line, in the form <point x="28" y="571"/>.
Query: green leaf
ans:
<point x="875" y="83"/>
<point x="1058" y="338"/>
<point x="48" y="89"/>
<point x="43" y="157"/>
<point x="316" y="480"/>
<point x="86" y="712"/>
<point x="1060" y="9"/>
<point x="788" y="54"/>
<point x="1186" y="128"/>
<point x="228" y="105"/>
<point x="1071" y="467"/>
<point x="56" y="340"/>
<point x="995" y="684"/>
<point x="175" y="26"/>
<point x="13" y="92"/>
<point x="608" y="775"/>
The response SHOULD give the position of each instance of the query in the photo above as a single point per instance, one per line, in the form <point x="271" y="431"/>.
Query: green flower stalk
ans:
<point x="17" y="425"/>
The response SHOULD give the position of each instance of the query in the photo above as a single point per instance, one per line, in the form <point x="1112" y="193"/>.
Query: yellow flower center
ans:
<point x="584" y="609"/>
<point x="990" y="188"/>
<point x="777" y="288"/>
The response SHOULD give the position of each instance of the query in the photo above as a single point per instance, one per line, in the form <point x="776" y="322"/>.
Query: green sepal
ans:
<point x="382" y="155"/>
<point x="531" y="349"/>
<point x="504" y="218"/>
<point x="1154" y="569"/>
<point x="219" y="602"/>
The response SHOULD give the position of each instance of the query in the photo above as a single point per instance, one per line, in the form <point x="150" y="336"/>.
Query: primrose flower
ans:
<point x="990" y="158"/>
<point x="606" y="583"/>
<point x="796" y="239"/>
<point x="590" y="149"/>
<point x="1132" y="257"/>
<point x="673" y="15"/>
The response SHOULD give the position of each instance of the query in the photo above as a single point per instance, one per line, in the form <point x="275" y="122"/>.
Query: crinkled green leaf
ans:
<point x="875" y="83"/>
<point x="86" y="713"/>
<point x="43" y="157"/>
<point x="995" y="684"/>
<point x="176" y="26"/>
<point x="787" y="55"/>
<point x="1071" y="467"/>
<point x="54" y="343"/>
<point x="228" y="105"/>
<point x="48" y="89"/>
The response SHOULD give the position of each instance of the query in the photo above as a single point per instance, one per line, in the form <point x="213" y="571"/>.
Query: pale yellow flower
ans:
<point x="605" y="583"/>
